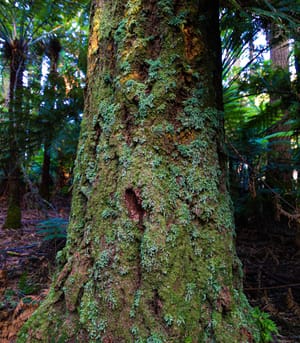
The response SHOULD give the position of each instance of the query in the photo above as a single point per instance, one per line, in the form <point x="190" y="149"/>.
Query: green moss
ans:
<point x="154" y="67"/>
<point x="160" y="260"/>
<point x="180" y="19"/>
<point x="107" y="113"/>
<point x="166" y="6"/>
<point x="13" y="217"/>
<point x="89" y="314"/>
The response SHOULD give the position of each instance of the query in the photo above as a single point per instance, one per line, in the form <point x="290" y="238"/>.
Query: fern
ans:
<point x="53" y="229"/>
<point x="267" y="326"/>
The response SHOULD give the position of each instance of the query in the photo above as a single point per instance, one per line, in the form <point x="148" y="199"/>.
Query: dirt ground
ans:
<point x="27" y="261"/>
<point x="271" y="265"/>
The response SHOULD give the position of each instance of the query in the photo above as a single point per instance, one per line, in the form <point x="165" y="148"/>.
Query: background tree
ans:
<point x="25" y="24"/>
<point x="255" y="125"/>
<point x="53" y="50"/>
<point x="15" y="50"/>
<point x="62" y="105"/>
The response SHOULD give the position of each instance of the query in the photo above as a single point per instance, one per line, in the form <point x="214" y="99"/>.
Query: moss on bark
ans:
<point x="13" y="215"/>
<point x="150" y="254"/>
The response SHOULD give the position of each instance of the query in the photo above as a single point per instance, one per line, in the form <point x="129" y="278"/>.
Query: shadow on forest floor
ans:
<point x="271" y="264"/>
<point x="27" y="262"/>
<point x="271" y="267"/>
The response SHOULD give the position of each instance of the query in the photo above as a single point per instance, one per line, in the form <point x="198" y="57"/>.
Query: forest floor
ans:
<point x="27" y="261"/>
<point x="271" y="267"/>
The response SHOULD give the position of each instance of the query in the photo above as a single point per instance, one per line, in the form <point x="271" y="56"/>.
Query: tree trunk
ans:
<point x="297" y="62"/>
<point x="46" y="177"/>
<point x="17" y="67"/>
<point x="150" y="254"/>
<point x="13" y="216"/>
<point x="279" y="173"/>
<point x="279" y="54"/>
<point x="53" y="51"/>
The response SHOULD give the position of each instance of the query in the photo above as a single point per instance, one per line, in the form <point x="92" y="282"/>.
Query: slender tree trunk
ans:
<point x="53" y="51"/>
<point x="279" y="54"/>
<point x="46" y="177"/>
<point x="297" y="62"/>
<point x="279" y="173"/>
<point x="150" y="254"/>
<point x="17" y="67"/>
<point x="13" y="216"/>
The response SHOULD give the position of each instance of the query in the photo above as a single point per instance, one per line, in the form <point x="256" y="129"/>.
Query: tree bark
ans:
<point x="53" y="51"/>
<point x="13" y="216"/>
<point x="150" y="254"/>
<point x="46" y="177"/>
<point x="279" y="174"/>
<point x="16" y="70"/>
<point x="279" y="54"/>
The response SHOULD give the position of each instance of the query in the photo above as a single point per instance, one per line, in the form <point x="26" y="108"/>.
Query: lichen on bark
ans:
<point x="150" y="254"/>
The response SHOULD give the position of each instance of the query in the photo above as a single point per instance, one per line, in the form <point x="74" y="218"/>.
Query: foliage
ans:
<point x="11" y="297"/>
<point x="8" y="299"/>
<point x="242" y="21"/>
<point x="261" y="103"/>
<point x="52" y="229"/>
<point x="26" y="287"/>
<point x="267" y="326"/>
<point x="254" y="125"/>
<point x="49" y="108"/>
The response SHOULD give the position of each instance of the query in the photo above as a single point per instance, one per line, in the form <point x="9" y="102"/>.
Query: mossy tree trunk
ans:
<point x="13" y="216"/>
<point x="16" y="53"/>
<point x="150" y="254"/>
